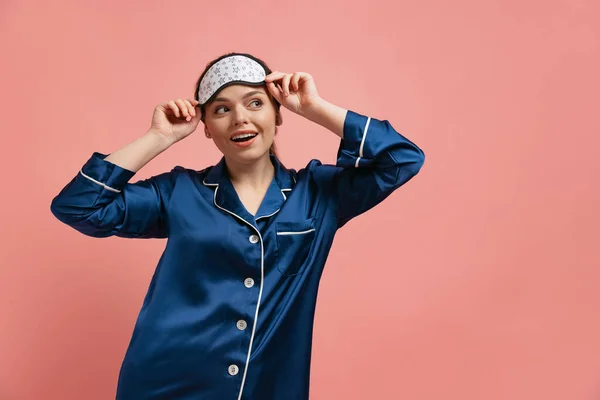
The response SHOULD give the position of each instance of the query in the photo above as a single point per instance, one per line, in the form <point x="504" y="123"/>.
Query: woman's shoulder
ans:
<point x="179" y="175"/>
<point x="317" y="171"/>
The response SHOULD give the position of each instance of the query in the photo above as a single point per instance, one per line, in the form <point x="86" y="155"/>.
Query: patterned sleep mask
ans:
<point x="228" y="71"/>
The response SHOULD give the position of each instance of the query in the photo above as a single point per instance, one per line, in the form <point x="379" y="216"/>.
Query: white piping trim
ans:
<point x="100" y="183"/>
<point x="285" y="190"/>
<point x="273" y="213"/>
<point x="262" y="278"/>
<point x="209" y="184"/>
<point x="296" y="233"/>
<point x="257" y="218"/>
<point x="362" y="142"/>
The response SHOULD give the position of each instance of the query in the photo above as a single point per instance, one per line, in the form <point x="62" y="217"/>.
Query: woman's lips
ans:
<point x="245" y="143"/>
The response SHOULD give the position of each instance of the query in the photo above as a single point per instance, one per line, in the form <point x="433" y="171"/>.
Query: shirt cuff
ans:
<point x="351" y="152"/>
<point x="106" y="174"/>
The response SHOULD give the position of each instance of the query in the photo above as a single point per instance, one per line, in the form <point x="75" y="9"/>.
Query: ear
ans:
<point x="206" y="132"/>
<point x="278" y="118"/>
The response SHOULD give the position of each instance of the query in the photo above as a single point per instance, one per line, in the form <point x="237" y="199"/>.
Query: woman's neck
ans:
<point x="257" y="174"/>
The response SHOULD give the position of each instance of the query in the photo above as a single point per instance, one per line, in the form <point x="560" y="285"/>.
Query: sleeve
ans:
<point x="99" y="201"/>
<point x="373" y="160"/>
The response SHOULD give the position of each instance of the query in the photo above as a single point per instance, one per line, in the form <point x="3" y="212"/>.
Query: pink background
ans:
<point x="477" y="280"/>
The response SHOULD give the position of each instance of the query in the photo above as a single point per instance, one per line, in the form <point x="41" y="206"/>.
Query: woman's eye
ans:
<point x="221" y="108"/>
<point x="256" y="103"/>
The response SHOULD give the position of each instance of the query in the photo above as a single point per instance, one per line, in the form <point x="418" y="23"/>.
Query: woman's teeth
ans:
<point x="244" y="137"/>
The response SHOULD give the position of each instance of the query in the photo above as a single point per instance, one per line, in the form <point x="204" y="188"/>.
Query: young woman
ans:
<point x="229" y="310"/>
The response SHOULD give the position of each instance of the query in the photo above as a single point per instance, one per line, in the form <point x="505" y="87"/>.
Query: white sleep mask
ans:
<point x="227" y="71"/>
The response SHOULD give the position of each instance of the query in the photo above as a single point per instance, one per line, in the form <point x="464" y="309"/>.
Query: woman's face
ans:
<point x="241" y="121"/>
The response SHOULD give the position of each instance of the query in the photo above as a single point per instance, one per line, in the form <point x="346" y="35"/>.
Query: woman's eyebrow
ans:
<point x="251" y="93"/>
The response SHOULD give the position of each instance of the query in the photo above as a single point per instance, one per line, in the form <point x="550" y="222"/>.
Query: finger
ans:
<point x="305" y="76"/>
<point x="285" y="84"/>
<point x="183" y="108"/>
<point x="190" y="108"/>
<point x="274" y="91"/>
<point x="295" y="80"/>
<point x="274" y="76"/>
<point x="174" y="108"/>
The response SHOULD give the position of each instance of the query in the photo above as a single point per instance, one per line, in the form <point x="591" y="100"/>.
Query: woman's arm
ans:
<point x="328" y="115"/>
<point x="140" y="152"/>
<point x="100" y="202"/>
<point x="373" y="159"/>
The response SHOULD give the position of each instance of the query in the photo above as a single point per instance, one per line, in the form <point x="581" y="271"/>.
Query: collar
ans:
<point x="226" y="197"/>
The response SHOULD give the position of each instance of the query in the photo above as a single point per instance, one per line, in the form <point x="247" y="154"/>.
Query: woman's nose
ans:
<point x="240" y="116"/>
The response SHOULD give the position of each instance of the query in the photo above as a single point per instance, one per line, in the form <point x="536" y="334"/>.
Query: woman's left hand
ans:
<point x="295" y="91"/>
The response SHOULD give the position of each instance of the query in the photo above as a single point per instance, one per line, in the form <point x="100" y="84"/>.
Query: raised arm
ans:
<point x="99" y="201"/>
<point x="373" y="159"/>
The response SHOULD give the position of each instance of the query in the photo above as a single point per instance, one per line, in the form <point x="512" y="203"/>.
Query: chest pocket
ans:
<point x="294" y="242"/>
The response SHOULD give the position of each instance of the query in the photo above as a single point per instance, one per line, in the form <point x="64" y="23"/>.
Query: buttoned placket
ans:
<point x="255" y="238"/>
<point x="225" y="199"/>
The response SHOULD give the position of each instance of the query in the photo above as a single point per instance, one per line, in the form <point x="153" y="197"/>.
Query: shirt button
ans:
<point x="233" y="370"/>
<point x="241" y="325"/>
<point x="249" y="282"/>
<point x="253" y="239"/>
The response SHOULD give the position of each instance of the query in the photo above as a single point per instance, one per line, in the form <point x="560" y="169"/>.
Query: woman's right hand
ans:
<point x="175" y="119"/>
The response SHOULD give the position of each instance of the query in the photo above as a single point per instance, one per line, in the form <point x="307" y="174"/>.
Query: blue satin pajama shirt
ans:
<point x="229" y="310"/>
